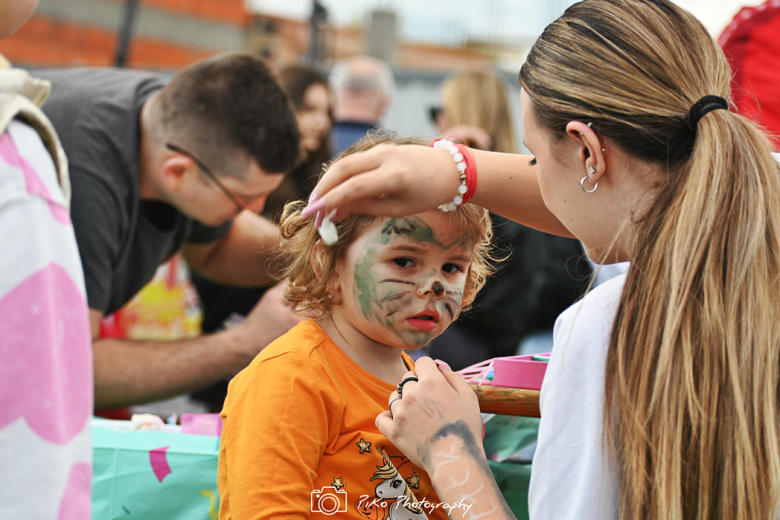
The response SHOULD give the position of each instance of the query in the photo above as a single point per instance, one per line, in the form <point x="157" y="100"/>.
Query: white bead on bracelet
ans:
<point x="460" y="165"/>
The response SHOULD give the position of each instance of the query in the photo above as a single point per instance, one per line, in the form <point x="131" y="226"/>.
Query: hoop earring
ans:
<point x="582" y="185"/>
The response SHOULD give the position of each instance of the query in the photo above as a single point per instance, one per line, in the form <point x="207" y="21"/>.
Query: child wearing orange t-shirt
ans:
<point x="299" y="438"/>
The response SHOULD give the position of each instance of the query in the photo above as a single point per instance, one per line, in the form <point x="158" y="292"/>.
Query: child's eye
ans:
<point x="532" y="162"/>
<point x="404" y="262"/>
<point x="451" y="268"/>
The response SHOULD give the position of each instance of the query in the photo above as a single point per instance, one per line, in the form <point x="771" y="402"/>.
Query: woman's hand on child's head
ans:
<point x="438" y="406"/>
<point x="387" y="180"/>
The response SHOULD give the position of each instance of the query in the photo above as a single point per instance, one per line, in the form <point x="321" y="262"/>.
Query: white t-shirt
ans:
<point x="45" y="342"/>
<point x="570" y="477"/>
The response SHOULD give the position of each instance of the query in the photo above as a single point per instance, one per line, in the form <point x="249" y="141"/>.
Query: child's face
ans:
<point x="401" y="282"/>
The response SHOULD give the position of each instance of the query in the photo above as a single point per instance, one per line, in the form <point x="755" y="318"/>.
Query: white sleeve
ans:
<point x="570" y="478"/>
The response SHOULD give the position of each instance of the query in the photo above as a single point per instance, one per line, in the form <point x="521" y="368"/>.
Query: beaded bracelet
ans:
<point x="462" y="159"/>
<point x="471" y="172"/>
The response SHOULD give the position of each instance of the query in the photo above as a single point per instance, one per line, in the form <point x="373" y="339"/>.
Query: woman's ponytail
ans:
<point x="692" y="368"/>
<point x="692" y="384"/>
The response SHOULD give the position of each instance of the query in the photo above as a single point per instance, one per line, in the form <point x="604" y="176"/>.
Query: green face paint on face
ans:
<point x="387" y="283"/>
<point x="413" y="227"/>
<point x="365" y="284"/>
<point x="417" y="229"/>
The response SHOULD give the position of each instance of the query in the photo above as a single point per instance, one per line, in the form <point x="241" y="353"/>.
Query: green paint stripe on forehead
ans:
<point x="413" y="227"/>
<point x="418" y="230"/>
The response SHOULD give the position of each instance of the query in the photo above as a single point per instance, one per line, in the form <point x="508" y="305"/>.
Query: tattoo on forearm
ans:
<point x="446" y="458"/>
<point x="460" y="430"/>
<point x="464" y="488"/>
<point x="471" y="495"/>
<point x="455" y="483"/>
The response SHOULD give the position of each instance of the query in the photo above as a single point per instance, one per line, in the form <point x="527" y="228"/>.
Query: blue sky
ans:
<point x="450" y="21"/>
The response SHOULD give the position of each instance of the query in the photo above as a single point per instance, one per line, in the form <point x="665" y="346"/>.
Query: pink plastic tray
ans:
<point x="519" y="372"/>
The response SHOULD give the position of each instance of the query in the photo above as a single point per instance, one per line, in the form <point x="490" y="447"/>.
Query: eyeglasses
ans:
<point x="232" y="196"/>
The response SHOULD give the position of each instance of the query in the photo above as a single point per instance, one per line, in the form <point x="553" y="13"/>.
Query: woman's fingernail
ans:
<point x="313" y="197"/>
<point x="313" y="208"/>
<point x="442" y="364"/>
<point x="319" y="219"/>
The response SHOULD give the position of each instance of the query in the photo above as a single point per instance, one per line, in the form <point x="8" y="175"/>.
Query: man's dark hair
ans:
<point x="223" y="106"/>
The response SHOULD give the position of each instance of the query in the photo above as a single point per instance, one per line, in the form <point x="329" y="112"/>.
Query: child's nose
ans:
<point x="432" y="286"/>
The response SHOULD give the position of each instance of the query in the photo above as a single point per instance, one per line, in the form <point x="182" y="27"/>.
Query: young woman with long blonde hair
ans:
<point x="661" y="396"/>
<point x="478" y="99"/>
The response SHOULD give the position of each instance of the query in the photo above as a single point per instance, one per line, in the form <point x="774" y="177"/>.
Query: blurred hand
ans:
<point x="473" y="136"/>
<point x="440" y="404"/>
<point x="387" y="180"/>
<point x="269" y="319"/>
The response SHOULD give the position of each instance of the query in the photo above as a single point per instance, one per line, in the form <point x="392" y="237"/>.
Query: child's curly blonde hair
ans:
<point x="310" y="263"/>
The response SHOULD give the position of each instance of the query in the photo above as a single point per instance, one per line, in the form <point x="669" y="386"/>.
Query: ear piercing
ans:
<point x="586" y="190"/>
<point x="590" y="125"/>
<point x="591" y="171"/>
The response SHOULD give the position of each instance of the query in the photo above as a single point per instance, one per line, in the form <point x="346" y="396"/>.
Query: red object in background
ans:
<point x="117" y="414"/>
<point x="752" y="46"/>
<point x="111" y="328"/>
<point x="164" y="309"/>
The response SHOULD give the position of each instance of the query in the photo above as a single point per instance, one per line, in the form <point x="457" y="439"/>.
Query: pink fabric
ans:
<point x="76" y="503"/>
<point x="45" y="376"/>
<point x="35" y="186"/>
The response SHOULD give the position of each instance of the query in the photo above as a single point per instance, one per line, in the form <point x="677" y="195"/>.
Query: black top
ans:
<point x="122" y="240"/>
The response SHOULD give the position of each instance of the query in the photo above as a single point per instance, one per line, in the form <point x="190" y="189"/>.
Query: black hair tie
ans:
<point x="703" y="106"/>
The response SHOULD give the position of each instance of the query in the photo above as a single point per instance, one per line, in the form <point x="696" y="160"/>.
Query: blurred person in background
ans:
<point x="309" y="92"/>
<point x="543" y="274"/>
<point x="225" y="306"/>
<point x="45" y="345"/>
<point x="363" y="88"/>
<point x="160" y="165"/>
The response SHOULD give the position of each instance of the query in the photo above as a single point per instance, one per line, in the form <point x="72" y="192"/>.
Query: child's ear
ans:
<point x="334" y="286"/>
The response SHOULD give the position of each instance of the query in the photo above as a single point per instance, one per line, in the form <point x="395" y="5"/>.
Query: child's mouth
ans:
<point x="426" y="320"/>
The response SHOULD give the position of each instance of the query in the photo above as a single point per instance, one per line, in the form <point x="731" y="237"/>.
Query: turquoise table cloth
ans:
<point x="153" y="475"/>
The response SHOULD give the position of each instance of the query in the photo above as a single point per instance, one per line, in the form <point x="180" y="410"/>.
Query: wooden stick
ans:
<point x="507" y="401"/>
